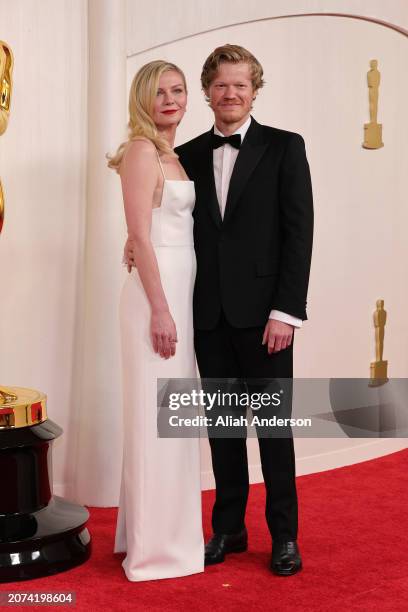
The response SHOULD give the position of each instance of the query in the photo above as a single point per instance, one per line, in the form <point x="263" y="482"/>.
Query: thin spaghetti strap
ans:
<point x="160" y="164"/>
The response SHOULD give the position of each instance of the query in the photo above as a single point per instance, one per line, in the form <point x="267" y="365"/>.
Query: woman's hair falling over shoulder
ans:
<point x="142" y="95"/>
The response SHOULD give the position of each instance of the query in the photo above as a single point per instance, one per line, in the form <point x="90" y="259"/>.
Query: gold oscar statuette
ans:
<point x="7" y="395"/>
<point x="6" y="85"/>
<point x="373" y="130"/>
<point x="19" y="407"/>
<point x="378" y="368"/>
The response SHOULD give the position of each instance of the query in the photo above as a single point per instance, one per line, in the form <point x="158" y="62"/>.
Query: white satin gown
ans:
<point x="159" y="522"/>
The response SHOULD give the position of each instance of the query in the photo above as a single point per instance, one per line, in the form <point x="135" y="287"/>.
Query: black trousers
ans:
<point x="228" y="352"/>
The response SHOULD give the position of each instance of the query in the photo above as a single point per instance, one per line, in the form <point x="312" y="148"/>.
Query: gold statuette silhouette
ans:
<point x="373" y="130"/>
<point x="6" y="85"/>
<point x="6" y="67"/>
<point x="378" y="368"/>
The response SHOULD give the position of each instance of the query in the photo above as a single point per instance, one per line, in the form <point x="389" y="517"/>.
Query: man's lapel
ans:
<point x="250" y="153"/>
<point x="207" y="183"/>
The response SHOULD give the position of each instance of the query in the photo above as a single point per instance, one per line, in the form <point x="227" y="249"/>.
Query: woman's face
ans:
<point x="171" y="100"/>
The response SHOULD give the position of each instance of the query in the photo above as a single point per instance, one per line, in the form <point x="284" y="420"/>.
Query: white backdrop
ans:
<point x="61" y="247"/>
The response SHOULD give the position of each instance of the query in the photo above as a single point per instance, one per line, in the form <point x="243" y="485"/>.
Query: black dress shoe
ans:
<point x="222" y="544"/>
<point x="285" y="558"/>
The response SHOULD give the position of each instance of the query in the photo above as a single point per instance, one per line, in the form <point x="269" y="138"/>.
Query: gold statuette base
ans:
<point x="6" y="395"/>
<point x="373" y="136"/>
<point x="20" y="407"/>
<point x="378" y="373"/>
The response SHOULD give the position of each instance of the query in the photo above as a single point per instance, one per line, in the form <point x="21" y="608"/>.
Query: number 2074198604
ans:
<point x="37" y="598"/>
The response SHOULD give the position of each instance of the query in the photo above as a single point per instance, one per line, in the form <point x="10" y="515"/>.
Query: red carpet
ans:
<point x="353" y="539"/>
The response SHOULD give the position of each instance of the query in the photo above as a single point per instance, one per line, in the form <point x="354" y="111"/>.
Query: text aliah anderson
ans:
<point x="229" y="421"/>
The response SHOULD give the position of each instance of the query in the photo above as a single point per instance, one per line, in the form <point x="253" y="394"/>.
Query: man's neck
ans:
<point x="230" y="128"/>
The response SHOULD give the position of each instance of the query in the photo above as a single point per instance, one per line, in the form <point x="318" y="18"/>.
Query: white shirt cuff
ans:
<point x="285" y="318"/>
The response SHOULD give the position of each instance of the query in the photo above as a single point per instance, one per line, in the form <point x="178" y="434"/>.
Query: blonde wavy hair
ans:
<point x="142" y="94"/>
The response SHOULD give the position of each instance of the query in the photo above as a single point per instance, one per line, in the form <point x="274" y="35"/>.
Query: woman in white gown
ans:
<point x="159" y="521"/>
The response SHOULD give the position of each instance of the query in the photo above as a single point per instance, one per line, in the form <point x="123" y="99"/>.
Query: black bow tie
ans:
<point x="234" y="140"/>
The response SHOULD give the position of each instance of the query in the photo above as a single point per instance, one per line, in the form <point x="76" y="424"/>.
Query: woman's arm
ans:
<point x="139" y="176"/>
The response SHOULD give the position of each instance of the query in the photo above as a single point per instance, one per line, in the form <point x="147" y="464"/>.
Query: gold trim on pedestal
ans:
<point x="6" y="395"/>
<point x="20" y="407"/>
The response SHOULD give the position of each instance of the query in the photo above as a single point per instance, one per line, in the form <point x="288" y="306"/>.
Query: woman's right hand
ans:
<point x="128" y="255"/>
<point x="163" y="333"/>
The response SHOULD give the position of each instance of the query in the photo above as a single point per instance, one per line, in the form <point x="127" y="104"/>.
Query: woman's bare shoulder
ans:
<point x="140" y="146"/>
<point x="139" y="152"/>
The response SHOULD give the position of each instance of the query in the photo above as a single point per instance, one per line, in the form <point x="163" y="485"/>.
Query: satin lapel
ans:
<point x="206" y="185"/>
<point x="250" y="153"/>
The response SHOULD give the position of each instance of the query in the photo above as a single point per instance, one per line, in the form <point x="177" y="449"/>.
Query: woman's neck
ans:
<point x="169" y="134"/>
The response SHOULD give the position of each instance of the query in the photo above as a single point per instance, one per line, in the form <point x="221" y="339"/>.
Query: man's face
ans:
<point x="231" y="93"/>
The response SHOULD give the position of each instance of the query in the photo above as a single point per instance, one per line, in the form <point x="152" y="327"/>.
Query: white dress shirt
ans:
<point x="224" y="159"/>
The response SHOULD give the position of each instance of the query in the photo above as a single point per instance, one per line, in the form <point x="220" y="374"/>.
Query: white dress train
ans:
<point x="159" y="521"/>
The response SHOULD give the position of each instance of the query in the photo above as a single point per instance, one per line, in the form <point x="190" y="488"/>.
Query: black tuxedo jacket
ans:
<point x="258" y="257"/>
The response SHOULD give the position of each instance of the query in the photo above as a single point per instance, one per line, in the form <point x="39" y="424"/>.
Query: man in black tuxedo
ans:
<point x="253" y="225"/>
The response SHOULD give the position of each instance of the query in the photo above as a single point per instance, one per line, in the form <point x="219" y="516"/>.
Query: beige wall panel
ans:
<point x="171" y="21"/>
